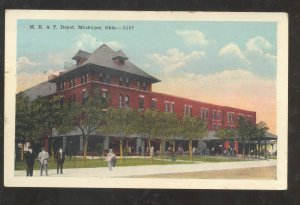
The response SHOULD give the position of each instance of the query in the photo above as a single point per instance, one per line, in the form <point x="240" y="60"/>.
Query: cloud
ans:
<point x="24" y="63"/>
<point x="174" y="59"/>
<point x="90" y="43"/>
<point x="258" y="44"/>
<point x="235" y="88"/>
<point x="193" y="37"/>
<point x="232" y="50"/>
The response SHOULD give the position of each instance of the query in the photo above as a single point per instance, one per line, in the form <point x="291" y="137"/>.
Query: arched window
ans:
<point x="120" y="100"/>
<point x="126" y="101"/>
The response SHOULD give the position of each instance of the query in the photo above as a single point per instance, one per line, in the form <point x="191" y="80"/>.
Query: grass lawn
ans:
<point x="210" y="159"/>
<point x="91" y="163"/>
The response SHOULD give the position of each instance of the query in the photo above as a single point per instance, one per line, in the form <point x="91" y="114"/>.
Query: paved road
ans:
<point x="103" y="172"/>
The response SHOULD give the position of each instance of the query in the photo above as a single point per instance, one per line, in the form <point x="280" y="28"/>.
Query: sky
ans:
<point x="225" y="63"/>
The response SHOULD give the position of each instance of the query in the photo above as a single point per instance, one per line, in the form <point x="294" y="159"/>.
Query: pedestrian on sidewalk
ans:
<point x="60" y="159"/>
<point x="43" y="158"/>
<point x="29" y="156"/>
<point x="109" y="159"/>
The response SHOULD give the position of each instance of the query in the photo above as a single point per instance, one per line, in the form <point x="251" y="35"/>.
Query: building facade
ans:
<point x="123" y="84"/>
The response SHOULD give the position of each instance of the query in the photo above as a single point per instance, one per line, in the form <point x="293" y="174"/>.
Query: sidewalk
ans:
<point x="103" y="172"/>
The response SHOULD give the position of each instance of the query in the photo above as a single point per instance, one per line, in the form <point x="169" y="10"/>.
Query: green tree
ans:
<point x="245" y="131"/>
<point x="24" y="125"/>
<point x="225" y="134"/>
<point x="147" y="124"/>
<point x="87" y="117"/>
<point x="121" y="122"/>
<point x="193" y="128"/>
<point x="260" y="134"/>
<point x="48" y="115"/>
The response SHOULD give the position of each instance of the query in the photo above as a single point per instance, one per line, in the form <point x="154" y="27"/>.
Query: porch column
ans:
<point x="106" y="143"/>
<point x="64" y="142"/>
<point x="81" y="143"/>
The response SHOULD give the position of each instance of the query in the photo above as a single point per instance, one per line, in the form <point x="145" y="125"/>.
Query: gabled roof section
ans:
<point x="103" y="56"/>
<point x="81" y="54"/>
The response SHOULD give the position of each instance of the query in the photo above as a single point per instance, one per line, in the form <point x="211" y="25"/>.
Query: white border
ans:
<point x="10" y="90"/>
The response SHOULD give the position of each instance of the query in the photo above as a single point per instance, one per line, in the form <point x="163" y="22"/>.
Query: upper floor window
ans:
<point x="141" y="85"/>
<point x="214" y="126"/>
<point x="107" y="78"/>
<point x="154" y="103"/>
<point x="230" y="116"/>
<point x="84" y="78"/>
<point x="121" y="81"/>
<point x="127" y="82"/>
<point x="204" y="113"/>
<point x="101" y="77"/>
<point x="72" y="82"/>
<point x="126" y="101"/>
<point x="219" y="115"/>
<point x="214" y="114"/>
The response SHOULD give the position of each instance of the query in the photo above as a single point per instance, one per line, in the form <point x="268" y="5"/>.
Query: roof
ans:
<point x="102" y="57"/>
<point x="82" y="54"/>
<point x="42" y="89"/>
<point x="119" y="53"/>
<point x="210" y="136"/>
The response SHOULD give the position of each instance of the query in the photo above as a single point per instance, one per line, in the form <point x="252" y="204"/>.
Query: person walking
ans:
<point x="60" y="159"/>
<point x="109" y="159"/>
<point x="151" y="151"/>
<point x="29" y="157"/>
<point x="43" y="158"/>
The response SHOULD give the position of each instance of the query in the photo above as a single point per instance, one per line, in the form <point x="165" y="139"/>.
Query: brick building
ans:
<point x="123" y="84"/>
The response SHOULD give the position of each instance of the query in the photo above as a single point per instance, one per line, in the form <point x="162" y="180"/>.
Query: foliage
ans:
<point x="87" y="117"/>
<point x="121" y="122"/>
<point x="192" y="128"/>
<point x="225" y="134"/>
<point x="99" y="148"/>
<point x="245" y="131"/>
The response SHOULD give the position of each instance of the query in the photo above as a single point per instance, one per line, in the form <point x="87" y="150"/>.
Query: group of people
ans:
<point x="43" y="158"/>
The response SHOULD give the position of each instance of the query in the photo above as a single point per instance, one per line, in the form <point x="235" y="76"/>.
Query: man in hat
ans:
<point x="43" y="158"/>
<point x="29" y="157"/>
<point x="60" y="159"/>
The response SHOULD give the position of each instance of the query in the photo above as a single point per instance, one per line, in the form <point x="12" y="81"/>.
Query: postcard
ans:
<point x="127" y="99"/>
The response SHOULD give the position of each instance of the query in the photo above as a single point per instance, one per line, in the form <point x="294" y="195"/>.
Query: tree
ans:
<point x="147" y="124"/>
<point x="193" y="128"/>
<point x="245" y="131"/>
<point x="260" y="134"/>
<point x="87" y="117"/>
<point x="48" y="114"/>
<point x="225" y="134"/>
<point x="24" y="125"/>
<point x="121" y="122"/>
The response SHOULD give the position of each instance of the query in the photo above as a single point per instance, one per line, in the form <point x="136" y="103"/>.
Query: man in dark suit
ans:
<point x="29" y="157"/>
<point x="60" y="159"/>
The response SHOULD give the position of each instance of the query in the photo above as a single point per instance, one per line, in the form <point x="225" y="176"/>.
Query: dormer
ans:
<point x="81" y="56"/>
<point x="119" y="57"/>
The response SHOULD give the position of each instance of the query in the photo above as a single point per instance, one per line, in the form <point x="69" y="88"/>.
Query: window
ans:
<point x="204" y="113"/>
<point x="107" y="78"/>
<point x="61" y="102"/>
<point x="185" y="109"/>
<point x="154" y="103"/>
<point x="84" y="78"/>
<point x="214" y="114"/>
<point x="120" y="100"/>
<point x="214" y="126"/>
<point x="230" y="116"/>
<point x="126" y="101"/>
<point x="85" y="96"/>
<point x="127" y="82"/>
<point x="141" y="102"/>
<point x="72" y="82"/>
<point x="121" y="82"/>
<point x="101" y="77"/>
<point x="190" y="111"/>
<point x="172" y="107"/>
<point x="219" y="115"/>
<point x="166" y="106"/>
<point x="218" y="126"/>
<point x="144" y="86"/>
<point x="104" y="96"/>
